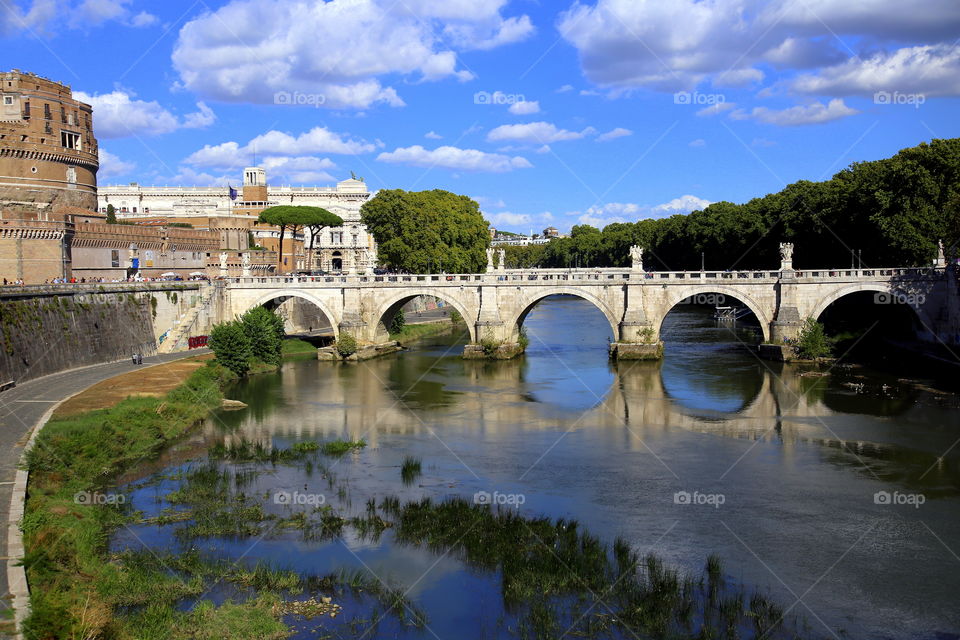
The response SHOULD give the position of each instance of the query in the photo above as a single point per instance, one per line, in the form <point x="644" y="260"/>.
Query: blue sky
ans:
<point x="548" y="113"/>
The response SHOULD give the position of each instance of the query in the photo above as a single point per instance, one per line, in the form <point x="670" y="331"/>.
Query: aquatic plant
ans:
<point x="410" y="470"/>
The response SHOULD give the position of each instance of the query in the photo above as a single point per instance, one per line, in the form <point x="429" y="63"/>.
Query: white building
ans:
<point x="346" y="248"/>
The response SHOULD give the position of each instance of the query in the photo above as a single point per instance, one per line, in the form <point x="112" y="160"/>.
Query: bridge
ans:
<point x="635" y="302"/>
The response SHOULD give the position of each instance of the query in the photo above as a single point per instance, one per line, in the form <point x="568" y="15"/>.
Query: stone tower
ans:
<point x="48" y="153"/>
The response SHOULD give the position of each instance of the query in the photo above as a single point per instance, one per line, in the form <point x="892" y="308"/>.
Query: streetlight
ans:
<point x="703" y="259"/>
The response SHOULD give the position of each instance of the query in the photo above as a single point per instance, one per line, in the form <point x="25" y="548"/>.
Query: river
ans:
<point x="837" y="495"/>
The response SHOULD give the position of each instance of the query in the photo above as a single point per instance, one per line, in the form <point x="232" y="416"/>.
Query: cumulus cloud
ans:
<point x="613" y="134"/>
<point x="930" y="70"/>
<point x="278" y="143"/>
<point x="683" y="204"/>
<point x="565" y="88"/>
<point x="716" y="108"/>
<point x="814" y="113"/>
<point x="249" y="50"/>
<point x="455" y="158"/>
<point x="111" y="166"/>
<point x="830" y="48"/>
<point x="118" y="114"/>
<point x="524" y="107"/>
<point x="535" y="133"/>
<point x="43" y="15"/>
<point x="432" y="135"/>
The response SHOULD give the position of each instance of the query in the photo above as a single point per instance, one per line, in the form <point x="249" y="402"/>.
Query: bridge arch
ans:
<point x="869" y="287"/>
<point x="758" y="309"/>
<point x="392" y="303"/>
<point x="527" y="304"/>
<point x="304" y="295"/>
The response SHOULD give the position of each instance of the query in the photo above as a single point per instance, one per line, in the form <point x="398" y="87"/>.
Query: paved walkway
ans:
<point x="23" y="406"/>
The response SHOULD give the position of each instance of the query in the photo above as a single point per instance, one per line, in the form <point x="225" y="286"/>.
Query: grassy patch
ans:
<point x="296" y="346"/>
<point x="414" y="332"/>
<point x="340" y="447"/>
<point x="410" y="470"/>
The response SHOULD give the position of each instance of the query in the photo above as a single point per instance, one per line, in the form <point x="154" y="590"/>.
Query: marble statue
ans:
<point x="786" y="251"/>
<point x="502" y="258"/>
<point x="490" y="259"/>
<point x="636" y="257"/>
<point x="223" y="261"/>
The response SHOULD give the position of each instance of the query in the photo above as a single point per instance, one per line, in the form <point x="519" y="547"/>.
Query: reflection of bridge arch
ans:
<point x="303" y="295"/>
<point x="391" y="304"/>
<point x="837" y="294"/>
<point x="745" y="406"/>
<point x="527" y="304"/>
<point x="755" y="307"/>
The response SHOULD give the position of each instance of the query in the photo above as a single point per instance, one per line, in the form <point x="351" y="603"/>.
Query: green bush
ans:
<point x="455" y="317"/>
<point x="264" y="329"/>
<point x="346" y="345"/>
<point x="398" y="323"/>
<point x="812" y="342"/>
<point x="231" y="346"/>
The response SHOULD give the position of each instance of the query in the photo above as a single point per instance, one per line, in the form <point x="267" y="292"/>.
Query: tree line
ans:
<point x="888" y="212"/>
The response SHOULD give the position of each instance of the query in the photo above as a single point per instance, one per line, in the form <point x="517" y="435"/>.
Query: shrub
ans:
<point x="812" y="342"/>
<point x="231" y="346"/>
<point x="346" y="345"/>
<point x="398" y="323"/>
<point x="264" y="329"/>
<point x="455" y="317"/>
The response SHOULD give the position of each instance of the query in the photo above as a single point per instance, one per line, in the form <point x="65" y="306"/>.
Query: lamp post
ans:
<point x="703" y="259"/>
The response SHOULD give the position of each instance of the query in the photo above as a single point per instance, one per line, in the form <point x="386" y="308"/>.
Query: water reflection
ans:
<point x="798" y="457"/>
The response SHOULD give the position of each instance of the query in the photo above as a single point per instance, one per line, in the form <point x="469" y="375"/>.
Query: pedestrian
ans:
<point x="139" y="358"/>
<point x="133" y="357"/>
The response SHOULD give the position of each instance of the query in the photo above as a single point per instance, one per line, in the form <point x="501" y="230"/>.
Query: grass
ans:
<point x="410" y="470"/>
<point x="340" y="447"/>
<point x="413" y="332"/>
<point x="292" y="346"/>
<point x="77" y="590"/>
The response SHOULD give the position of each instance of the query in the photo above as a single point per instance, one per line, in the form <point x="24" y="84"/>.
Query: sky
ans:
<point x="548" y="113"/>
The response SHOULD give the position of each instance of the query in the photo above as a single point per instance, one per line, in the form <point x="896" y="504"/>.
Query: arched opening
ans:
<point x="336" y="263"/>
<point x="873" y="326"/>
<point x="303" y="316"/>
<point x="566" y="363"/>
<point x="708" y="364"/>
<point x="424" y="310"/>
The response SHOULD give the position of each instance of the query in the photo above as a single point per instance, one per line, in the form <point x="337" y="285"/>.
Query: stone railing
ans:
<point x="42" y="290"/>
<point x="607" y="276"/>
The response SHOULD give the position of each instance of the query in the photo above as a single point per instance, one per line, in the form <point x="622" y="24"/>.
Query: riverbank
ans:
<point x="414" y="332"/>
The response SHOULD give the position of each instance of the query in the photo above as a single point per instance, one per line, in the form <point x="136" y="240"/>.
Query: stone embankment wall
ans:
<point x="44" y="330"/>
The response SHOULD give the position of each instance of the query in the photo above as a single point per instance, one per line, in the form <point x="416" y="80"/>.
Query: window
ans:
<point x="114" y="257"/>
<point x="46" y="110"/>
<point x="70" y="140"/>
<point x="336" y="237"/>
<point x="7" y="99"/>
<point x="134" y="209"/>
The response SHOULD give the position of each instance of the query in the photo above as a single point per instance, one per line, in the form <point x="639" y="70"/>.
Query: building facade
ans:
<point x="48" y="153"/>
<point x="348" y="248"/>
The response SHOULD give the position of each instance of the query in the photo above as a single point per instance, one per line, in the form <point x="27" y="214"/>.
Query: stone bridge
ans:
<point x="635" y="302"/>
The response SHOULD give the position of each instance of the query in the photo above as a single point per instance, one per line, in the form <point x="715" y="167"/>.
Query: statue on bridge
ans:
<point x="636" y="257"/>
<point x="223" y="263"/>
<point x="246" y="263"/>
<point x="786" y="251"/>
<point x="489" y="259"/>
<point x="941" y="258"/>
<point x="502" y="259"/>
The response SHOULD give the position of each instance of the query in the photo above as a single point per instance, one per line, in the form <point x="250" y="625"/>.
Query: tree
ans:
<point x="428" y="231"/>
<point x="812" y="342"/>
<point x="398" y="323"/>
<point x="293" y="217"/>
<point x="111" y="214"/>
<point x="231" y="346"/>
<point x="264" y="329"/>
<point x="326" y="219"/>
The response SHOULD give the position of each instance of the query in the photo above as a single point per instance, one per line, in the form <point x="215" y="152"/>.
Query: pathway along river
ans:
<point x="806" y="487"/>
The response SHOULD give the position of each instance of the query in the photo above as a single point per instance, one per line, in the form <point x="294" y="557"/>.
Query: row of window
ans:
<point x="124" y="210"/>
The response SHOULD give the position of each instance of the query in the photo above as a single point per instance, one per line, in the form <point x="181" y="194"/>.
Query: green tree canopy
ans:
<point x="427" y="231"/>
<point x="294" y="218"/>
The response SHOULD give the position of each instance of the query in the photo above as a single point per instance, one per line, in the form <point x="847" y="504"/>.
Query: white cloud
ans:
<point x="762" y="142"/>
<point x="432" y="135"/>
<point x="613" y="134"/>
<point x="814" y="113"/>
<point x="278" y="143"/>
<point x="112" y="166"/>
<point x="510" y="219"/>
<point x="248" y="50"/>
<point x="683" y="204"/>
<point x="929" y="70"/>
<point x="524" y="107"/>
<point x="565" y="88"/>
<point x="699" y="142"/>
<point x="144" y="19"/>
<point x="454" y="158"/>
<point x="43" y="15"/>
<point x="117" y="114"/>
<point x="535" y="132"/>
<point x="716" y="108"/>
<point x="677" y="45"/>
